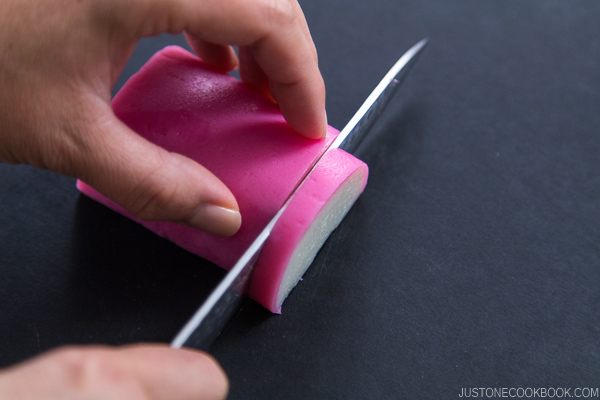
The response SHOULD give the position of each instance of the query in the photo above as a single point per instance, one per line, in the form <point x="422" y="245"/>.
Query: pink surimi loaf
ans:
<point x="181" y="104"/>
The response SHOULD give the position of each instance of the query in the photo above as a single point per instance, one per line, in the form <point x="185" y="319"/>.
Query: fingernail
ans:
<point x="216" y="219"/>
<point x="234" y="64"/>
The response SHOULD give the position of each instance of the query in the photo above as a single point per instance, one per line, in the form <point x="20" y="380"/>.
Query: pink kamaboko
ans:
<point x="181" y="104"/>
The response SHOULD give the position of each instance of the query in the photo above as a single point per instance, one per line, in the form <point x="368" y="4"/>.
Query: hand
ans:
<point x="132" y="373"/>
<point x="60" y="59"/>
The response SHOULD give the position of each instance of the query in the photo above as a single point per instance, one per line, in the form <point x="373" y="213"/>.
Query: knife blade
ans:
<point x="211" y="318"/>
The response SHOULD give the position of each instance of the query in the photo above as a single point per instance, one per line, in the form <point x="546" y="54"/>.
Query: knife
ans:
<point x="210" y="319"/>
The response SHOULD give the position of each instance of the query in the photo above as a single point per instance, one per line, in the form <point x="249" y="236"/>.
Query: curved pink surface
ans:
<point x="181" y="104"/>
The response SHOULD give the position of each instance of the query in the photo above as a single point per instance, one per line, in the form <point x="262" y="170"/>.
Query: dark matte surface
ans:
<point x="473" y="258"/>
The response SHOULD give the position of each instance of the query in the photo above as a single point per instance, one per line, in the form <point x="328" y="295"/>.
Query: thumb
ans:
<point x="153" y="183"/>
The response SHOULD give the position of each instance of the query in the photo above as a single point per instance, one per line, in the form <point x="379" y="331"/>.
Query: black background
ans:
<point x="473" y="258"/>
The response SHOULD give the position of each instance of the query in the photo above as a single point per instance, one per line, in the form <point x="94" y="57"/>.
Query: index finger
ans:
<point x="274" y="31"/>
<point x="294" y="77"/>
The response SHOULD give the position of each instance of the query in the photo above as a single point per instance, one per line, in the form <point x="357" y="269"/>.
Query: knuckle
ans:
<point x="69" y="359"/>
<point x="321" y="88"/>
<point x="93" y="370"/>
<point x="152" y="204"/>
<point x="157" y="195"/>
<point x="84" y="367"/>
<point x="143" y="196"/>
<point x="75" y="364"/>
<point x="280" y="12"/>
